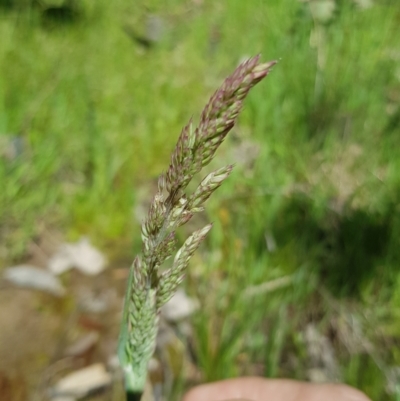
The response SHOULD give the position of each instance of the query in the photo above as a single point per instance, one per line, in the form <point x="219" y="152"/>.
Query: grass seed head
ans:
<point x="149" y="288"/>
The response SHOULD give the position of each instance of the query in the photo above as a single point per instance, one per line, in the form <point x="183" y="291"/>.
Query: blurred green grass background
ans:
<point x="92" y="100"/>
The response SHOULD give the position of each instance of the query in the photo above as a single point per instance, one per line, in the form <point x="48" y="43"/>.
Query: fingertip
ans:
<point x="244" y="388"/>
<point x="260" y="389"/>
<point x="352" y="394"/>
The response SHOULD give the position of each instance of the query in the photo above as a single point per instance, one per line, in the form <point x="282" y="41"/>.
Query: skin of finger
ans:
<point x="258" y="389"/>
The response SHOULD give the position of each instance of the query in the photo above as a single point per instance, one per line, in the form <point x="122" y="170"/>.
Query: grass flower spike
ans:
<point x="148" y="287"/>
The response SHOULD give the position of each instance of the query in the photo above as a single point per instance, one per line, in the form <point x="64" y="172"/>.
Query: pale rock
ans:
<point x="32" y="277"/>
<point x="81" y="255"/>
<point x="179" y="307"/>
<point x="82" y="382"/>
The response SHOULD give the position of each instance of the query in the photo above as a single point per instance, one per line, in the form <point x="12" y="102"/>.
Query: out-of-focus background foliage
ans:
<point x="300" y="276"/>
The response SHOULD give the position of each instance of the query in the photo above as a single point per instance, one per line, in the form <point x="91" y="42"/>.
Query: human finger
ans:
<point x="259" y="389"/>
